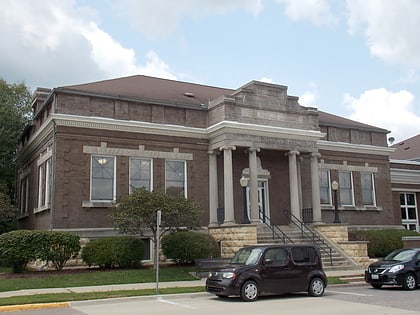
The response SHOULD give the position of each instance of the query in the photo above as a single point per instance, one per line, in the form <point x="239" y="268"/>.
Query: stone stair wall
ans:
<point x="340" y="259"/>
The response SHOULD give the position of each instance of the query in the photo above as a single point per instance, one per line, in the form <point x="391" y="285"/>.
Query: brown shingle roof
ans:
<point x="182" y="93"/>
<point x="408" y="149"/>
<point x="153" y="89"/>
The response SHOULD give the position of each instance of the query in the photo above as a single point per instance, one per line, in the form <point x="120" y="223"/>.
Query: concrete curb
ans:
<point x="23" y="307"/>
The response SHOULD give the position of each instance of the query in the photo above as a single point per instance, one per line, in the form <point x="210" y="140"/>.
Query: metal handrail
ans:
<point x="307" y="233"/>
<point x="277" y="233"/>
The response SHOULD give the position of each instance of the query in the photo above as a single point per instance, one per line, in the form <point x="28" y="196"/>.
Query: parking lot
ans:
<point x="342" y="300"/>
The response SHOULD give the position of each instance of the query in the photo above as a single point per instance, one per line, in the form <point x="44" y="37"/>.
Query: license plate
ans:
<point x="375" y="277"/>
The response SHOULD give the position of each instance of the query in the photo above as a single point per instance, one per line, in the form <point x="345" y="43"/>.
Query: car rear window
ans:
<point x="304" y="255"/>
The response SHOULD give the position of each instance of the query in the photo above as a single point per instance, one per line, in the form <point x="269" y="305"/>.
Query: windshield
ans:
<point x="247" y="256"/>
<point x="401" y="255"/>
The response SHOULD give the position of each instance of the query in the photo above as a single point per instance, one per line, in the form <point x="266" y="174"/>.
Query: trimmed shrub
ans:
<point x="381" y="242"/>
<point x="112" y="252"/>
<point x="59" y="247"/>
<point x="186" y="246"/>
<point x="18" y="248"/>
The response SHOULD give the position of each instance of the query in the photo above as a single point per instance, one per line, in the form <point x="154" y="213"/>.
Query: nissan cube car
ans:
<point x="400" y="268"/>
<point x="269" y="270"/>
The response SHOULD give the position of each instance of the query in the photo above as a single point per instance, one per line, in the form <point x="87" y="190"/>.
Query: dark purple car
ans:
<point x="269" y="270"/>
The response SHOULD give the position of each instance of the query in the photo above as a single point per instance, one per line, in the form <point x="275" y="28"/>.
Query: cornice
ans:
<point x="354" y="148"/>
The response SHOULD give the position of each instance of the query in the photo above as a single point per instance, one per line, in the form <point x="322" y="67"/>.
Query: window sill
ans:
<point x="97" y="204"/>
<point x="23" y="215"/>
<point x="352" y="208"/>
<point x="41" y="209"/>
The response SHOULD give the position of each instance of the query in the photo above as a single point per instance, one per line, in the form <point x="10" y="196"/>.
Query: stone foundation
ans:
<point x="338" y="234"/>
<point x="231" y="238"/>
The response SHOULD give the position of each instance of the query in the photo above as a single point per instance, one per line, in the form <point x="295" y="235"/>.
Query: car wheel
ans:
<point x="250" y="291"/>
<point x="409" y="282"/>
<point x="376" y="285"/>
<point x="316" y="287"/>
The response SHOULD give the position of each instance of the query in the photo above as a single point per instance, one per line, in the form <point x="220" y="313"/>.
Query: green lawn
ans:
<point x="94" y="277"/>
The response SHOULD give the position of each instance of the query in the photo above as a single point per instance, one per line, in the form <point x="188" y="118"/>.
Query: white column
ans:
<point x="316" y="203"/>
<point x="213" y="191"/>
<point x="228" y="184"/>
<point x="294" y="184"/>
<point x="253" y="184"/>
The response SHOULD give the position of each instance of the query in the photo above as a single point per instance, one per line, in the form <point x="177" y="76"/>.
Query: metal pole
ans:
<point x="158" y="222"/>
<point x="336" y="216"/>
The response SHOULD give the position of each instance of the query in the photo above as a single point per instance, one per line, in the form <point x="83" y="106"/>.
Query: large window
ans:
<point x="368" y="189"/>
<point x="140" y="173"/>
<point x="103" y="178"/>
<point x="175" y="178"/>
<point x="346" y="188"/>
<point x="24" y="196"/>
<point x="409" y="211"/>
<point x="44" y="184"/>
<point x="324" y="187"/>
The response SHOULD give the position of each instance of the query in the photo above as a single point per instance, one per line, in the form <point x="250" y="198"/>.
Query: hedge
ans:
<point x="186" y="246"/>
<point x="112" y="252"/>
<point x="18" y="248"/>
<point x="381" y="242"/>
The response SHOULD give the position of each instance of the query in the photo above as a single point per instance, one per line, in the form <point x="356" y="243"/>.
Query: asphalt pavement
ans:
<point x="355" y="276"/>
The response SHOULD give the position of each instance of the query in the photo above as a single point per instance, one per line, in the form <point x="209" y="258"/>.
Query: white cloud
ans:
<point x="52" y="43"/>
<point x="389" y="110"/>
<point x="391" y="28"/>
<point x="115" y="60"/>
<point x="309" y="97"/>
<point x="318" y="12"/>
<point x="159" y="18"/>
<point x="266" y="80"/>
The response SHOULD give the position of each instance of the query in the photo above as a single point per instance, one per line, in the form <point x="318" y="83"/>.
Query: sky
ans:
<point x="358" y="59"/>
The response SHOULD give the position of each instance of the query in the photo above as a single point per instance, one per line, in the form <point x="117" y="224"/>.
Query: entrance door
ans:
<point x="409" y="211"/>
<point x="263" y="204"/>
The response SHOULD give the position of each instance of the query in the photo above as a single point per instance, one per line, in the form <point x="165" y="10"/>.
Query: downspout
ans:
<point x="53" y="168"/>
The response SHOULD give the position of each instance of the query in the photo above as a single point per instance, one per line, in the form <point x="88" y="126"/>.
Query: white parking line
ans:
<point x="348" y="293"/>
<point x="162" y="300"/>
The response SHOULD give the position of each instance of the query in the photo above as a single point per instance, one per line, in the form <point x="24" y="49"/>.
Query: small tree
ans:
<point x="7" y="212"/>
<point x="136" y="212"/>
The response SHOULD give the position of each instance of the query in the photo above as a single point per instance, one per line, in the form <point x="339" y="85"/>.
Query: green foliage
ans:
<point x="7" y="212"/>
<point x="381" y="242"/>
<point x="59" y="247"/>
<point x="111" y="252"/>
<point x="137" y="211"/>
<point x="18" y="248"/>
<point x="186" y="246"/>
<point x="15" y="111"/>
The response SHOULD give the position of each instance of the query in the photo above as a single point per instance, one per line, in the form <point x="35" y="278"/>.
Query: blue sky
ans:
<point x="359" y="59"/>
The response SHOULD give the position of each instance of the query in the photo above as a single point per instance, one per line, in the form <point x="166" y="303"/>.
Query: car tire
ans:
<point x="409" y="282"/>
<point x="316" y="287"/>
<point x="250" y="291"/>
<point x="376" y="285"/>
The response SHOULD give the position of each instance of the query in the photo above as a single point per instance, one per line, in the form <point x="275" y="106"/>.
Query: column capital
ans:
<point x="315" y="155"/>
<point x="213" y="152"/>
<point x="227" y="147"/>
<point x="252" y="149"/>
<point x="292" y="153"/>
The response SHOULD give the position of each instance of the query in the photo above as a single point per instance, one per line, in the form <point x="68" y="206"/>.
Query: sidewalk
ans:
<point x="356" y="274"/>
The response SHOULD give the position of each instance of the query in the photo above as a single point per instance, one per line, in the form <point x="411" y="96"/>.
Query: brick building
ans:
<point x="90" y="143"/>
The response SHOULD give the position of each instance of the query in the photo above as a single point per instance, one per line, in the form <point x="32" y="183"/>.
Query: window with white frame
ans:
<point x="44" y="184"/>
<point x="102" y="178"/>
<point x="24" y="195"/>
<point x="140" y="173"/>
<point x="175" y="178"/>
<point x="346" y="188"/>
<point x="368" y="189"/>
<point x="324" y="187"/>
